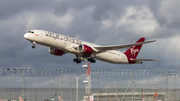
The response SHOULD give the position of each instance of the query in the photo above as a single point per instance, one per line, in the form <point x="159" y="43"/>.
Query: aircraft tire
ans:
<point x="33" y="47"/>
<point x="78" y="61"/>
<point x="74" y="60"/>
<point x="90" y="59"/>
<point x="93" y="61"/>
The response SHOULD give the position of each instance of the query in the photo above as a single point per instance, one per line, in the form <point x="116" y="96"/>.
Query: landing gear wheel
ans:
<point x="93" y="61"/>
<point x="90" y="59"/>
<point x="33" y="46"/>
<point x="77" y="60"/>
<point x="74" y="60"/>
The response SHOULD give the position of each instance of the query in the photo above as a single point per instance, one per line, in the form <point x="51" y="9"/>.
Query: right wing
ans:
<point x="115" y="47"/>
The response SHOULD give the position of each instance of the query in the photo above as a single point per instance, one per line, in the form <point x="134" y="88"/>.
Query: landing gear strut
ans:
<point x="33" y="44"/>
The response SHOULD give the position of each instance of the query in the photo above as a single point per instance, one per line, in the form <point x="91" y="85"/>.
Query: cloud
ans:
<point x="138" y="20"/>
<point x="171" y="51"/>
<point x="64" y="21"/>
<point x="168" y="12"/>
<point x="106" y="24"/>
<point x="11" y="8"/>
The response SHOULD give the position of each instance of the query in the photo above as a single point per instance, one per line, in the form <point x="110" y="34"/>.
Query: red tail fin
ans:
<point x="133" y="51"/>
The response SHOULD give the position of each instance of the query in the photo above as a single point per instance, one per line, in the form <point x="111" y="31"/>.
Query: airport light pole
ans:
<point x="23" y="85"/>
<point x="98" y="84"/>
<point x="61" y="82"/>
<point x="132" y="83"/>
<point x="88" y="80"/>
<point x="77" y="88"/>
<point x="28" y="93"/>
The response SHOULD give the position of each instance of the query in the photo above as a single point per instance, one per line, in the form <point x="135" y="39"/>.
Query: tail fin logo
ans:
<point x="134" y="51"/>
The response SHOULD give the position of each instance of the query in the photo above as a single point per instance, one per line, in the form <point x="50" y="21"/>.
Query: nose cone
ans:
<point x="26" y="36"/>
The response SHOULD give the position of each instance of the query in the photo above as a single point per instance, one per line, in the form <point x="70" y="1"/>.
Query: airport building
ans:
<point x="149" y="96"/>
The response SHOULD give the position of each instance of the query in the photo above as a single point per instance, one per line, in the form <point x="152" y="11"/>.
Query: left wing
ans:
<point x="106" y="48"/>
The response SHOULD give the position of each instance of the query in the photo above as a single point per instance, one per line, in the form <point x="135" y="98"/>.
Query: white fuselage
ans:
<point x="67" y="44"/>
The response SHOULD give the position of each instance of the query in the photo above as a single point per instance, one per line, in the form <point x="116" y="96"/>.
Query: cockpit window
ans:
<point x="30" y="32"/>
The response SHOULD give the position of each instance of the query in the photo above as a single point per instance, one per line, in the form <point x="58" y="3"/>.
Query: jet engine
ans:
<point x="57" y="52"/>
<point x="85" y="49"/>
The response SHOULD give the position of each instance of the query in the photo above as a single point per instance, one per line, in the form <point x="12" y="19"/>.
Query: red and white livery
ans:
<point x="84" y="51"/>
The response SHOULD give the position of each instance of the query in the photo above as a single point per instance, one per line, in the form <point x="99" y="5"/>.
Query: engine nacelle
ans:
<point x="85" y="49"/>
<point x="57" y="52"/>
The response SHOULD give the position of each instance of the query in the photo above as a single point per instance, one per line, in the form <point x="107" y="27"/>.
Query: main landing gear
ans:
<point x="77" y="60"/>
<point x="91" y="60"/>
<point x="33" y="44"/>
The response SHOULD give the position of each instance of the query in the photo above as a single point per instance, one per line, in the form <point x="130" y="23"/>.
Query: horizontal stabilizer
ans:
<point x="144" y="59"/>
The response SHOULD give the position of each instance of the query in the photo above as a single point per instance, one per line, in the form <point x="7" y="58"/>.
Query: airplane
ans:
<point x="84" y="51"/>
<point x="21" y="99"/>
<point x="60" y="99"/>
<point x="54" y="97"/>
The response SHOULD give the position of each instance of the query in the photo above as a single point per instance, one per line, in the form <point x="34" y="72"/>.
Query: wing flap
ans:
<point x="115" y="47"/>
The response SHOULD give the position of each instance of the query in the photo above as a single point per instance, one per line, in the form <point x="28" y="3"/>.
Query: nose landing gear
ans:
<point x="33" y="44"/>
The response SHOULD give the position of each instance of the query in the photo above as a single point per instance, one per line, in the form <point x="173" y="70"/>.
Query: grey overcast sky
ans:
<point x="104" y="22"/>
